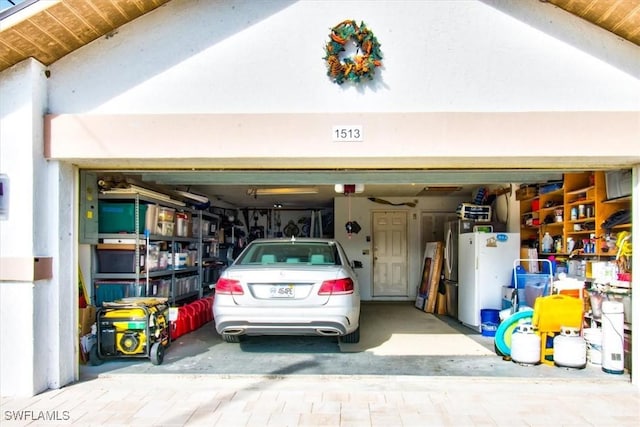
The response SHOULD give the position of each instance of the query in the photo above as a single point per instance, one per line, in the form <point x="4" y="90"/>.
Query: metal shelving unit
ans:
<point x="143" y="281"/>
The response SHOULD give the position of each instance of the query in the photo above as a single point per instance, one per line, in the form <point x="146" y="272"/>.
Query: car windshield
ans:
<point x="314" y="253"/>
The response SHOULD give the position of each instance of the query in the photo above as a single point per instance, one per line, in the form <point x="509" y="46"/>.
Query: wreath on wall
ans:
<point x="362" y="66"/>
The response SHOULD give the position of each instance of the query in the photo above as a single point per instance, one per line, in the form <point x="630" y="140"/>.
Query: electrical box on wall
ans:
<point x="4" y="197"/>
<point x="88" y="208"/>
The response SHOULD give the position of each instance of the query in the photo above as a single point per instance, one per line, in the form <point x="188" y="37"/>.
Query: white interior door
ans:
<point x="390" y="254"/>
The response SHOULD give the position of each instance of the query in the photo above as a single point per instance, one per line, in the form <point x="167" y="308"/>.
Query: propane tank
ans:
<point x="525" y="346"/>
<point x="612" y="337"/>
<point x="570" y="349"/>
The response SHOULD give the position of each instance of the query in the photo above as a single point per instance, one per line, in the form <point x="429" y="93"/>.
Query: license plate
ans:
<point x="282" y="291"/>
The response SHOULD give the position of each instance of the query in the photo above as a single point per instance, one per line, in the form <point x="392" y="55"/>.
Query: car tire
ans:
<point x="231" y="338"/>
<point x="352" y="338"/>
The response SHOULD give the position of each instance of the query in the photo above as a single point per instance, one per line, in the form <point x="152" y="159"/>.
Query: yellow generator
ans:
<point x="131" y="327"/>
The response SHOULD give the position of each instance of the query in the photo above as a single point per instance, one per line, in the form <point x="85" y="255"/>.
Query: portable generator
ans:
<point x="131" y="327"/>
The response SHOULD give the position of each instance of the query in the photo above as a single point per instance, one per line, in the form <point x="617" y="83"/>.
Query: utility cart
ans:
<point x="131" y="327"/>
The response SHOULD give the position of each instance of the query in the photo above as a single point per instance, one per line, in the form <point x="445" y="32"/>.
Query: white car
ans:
<point x="297" y="286"/>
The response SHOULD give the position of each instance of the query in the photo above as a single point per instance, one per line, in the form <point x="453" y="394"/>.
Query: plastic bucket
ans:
<point x="593" y="337"/>
<point x="489" y="321"/>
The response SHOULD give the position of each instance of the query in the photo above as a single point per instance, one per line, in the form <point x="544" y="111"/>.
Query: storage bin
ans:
<point x="180" y="260"/>
<point x="534" y="289"/>
<point x="118" y="258"/>
<point x="119" y="217"/>
<point x="507" y="295"/>
<point x="166" y="214"/>
<point x="166" y="228"/>
<point x="107" y="291"/>
<point x="183" y="224"/>
<point x="160" y="288"/>
<point x="533" y="284"/>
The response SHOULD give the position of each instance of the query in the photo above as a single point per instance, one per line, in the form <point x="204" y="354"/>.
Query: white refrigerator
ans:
<point x="485" y="265"/>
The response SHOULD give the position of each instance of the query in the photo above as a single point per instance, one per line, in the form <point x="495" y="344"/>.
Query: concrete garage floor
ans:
<point x="396" y="339"/>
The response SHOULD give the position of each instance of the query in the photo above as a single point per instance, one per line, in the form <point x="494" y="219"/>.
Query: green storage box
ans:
<point x="119" y="217"/>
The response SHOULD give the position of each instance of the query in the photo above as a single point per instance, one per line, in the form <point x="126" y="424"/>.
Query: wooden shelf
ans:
<point x="578" y="188"/>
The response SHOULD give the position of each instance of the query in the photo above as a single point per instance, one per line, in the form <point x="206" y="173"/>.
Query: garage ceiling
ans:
<point x="49" y="30"/>
<point x="243" y="188"/>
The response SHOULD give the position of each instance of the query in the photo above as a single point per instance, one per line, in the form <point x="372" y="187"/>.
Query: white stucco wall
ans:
<point x="37" y="324"/>
<point x="457" y="55"/>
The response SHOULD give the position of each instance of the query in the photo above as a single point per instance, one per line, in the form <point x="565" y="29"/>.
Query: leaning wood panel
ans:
<point x="432" y="266"/>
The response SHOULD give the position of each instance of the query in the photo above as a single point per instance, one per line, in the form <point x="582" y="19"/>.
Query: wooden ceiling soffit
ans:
<point x="66" y="26"/>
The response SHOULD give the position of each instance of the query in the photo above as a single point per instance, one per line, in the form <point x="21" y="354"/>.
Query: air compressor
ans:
<point x="131" y="327"/>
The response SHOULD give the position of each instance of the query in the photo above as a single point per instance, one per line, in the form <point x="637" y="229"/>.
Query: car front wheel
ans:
<point x="352" y="338"/>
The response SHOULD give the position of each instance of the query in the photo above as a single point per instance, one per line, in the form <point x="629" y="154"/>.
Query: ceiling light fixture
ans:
<point x="191" y="196"/>
<point x="279" y="191"/>
<point x="442" y="188"/>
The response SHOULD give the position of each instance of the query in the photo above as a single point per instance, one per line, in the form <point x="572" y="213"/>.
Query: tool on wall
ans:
<point x="386" y="202"/>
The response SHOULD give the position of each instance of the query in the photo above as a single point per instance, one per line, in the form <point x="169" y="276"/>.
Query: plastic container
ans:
<point x="547" y="242"/>
<point x="107" y="291"/>
<point x="538" y="286"/>
<point x="118" y="217"/>
<point x="166" y="228"/>
<point x="489" y="321"/>
<point x="166" y="214"/>
<point x="118" y="260"/>
<point x="554" y="312"/>
<point x="182" y="224"/>
<point x="593" y="338"/>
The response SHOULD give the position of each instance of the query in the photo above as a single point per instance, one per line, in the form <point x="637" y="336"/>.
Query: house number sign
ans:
<point x="352" y="133"/>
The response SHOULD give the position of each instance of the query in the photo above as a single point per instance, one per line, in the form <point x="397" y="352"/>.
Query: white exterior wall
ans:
<point x="266" y="57"/>
<point x="234" y="57"/>
<point x="37" y="326"/>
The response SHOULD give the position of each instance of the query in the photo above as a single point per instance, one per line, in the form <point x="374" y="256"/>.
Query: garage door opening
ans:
<point x="227" y="214"/>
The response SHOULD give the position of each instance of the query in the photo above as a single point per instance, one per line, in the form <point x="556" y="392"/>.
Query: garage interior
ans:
<point x="396" y="337"/>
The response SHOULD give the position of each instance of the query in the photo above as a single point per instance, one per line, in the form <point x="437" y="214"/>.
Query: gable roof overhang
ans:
<point x="49" y="30"/>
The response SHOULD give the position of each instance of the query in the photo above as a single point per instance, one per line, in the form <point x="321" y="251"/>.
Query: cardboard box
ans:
<point x="86" y="318"/>
<point x="526" y="257"/>
<point x="525" y="193"/>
